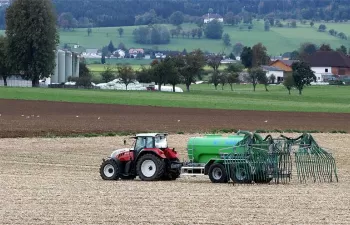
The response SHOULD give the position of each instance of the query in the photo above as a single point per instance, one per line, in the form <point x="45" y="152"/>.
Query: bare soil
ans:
<point x="20" y="118"/>
<point x="56" y="181"/>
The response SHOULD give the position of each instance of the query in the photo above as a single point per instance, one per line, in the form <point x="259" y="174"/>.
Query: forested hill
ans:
<point x="105" y="13"/>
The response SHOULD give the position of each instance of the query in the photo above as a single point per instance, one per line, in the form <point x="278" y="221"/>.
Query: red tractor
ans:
<point x="150" y="158"/>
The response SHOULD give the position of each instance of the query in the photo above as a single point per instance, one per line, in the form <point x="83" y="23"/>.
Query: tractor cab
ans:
<point x="149" y="141"/>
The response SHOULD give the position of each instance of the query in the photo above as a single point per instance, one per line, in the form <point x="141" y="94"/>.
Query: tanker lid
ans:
<point x="213" y="135"/>
<point x="235" y="136"/>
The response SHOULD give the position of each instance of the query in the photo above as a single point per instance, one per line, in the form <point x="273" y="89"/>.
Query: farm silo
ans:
<point x="69" y="70"/>
<point x="61" y="66"/>
<point x="75" y="65"/>
<point x="54" y="76"/>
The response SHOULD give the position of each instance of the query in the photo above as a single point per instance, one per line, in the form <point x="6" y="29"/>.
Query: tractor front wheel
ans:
<point x="150" y="167"/>
<point x="109" y="170"/>
<point x="217" y="173"/>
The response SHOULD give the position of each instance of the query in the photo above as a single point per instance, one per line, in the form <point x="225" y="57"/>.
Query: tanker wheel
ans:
<point x="150" y="167"/>
<point x="241" y="174"/>
<point x="109" y="170"/>
<point x="217" y="173"/>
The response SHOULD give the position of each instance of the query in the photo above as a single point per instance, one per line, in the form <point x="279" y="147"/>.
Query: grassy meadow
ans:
<point x="314" y="99"/>
<point x="277" y="40"/>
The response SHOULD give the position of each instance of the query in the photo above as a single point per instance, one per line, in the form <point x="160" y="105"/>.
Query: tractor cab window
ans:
<point x="149" y="142"/>
<point x="140" y="143"/>
<point x="161" y="142"/>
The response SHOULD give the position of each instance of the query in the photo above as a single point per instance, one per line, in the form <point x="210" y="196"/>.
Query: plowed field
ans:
<point x="56" y="181"/>
<point x="21" y="118"/>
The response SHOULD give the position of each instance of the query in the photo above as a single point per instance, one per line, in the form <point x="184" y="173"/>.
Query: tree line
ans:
<point x="186" y="68"/>
<point x="108" y="13"/>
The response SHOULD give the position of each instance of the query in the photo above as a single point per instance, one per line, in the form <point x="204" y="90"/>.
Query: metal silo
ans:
<point x="75" y="65"/>
<point x="54" y="76"/>
<point x="69" y="69"/>
<point x="76" y="72"/>
<point x="61" y="66"/>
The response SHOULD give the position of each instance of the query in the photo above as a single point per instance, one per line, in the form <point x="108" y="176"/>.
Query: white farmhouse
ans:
<point x="120" y="53"/>
<point x="328" y="65"/>
<point x="209" y="17"/>
<point x="277" y="72"/>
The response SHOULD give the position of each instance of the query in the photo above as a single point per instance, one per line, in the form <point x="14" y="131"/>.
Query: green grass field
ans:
<point x="277" y="40"/>
<point x="314" y="99"/>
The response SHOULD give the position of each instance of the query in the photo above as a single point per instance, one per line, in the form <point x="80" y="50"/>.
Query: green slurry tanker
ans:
<point x="245" y="158"/>
<point x="248" y="158"/>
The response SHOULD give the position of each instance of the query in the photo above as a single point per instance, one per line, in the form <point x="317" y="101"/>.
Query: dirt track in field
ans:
<point x="56" y="181"/>
<point x="21" y="118"/>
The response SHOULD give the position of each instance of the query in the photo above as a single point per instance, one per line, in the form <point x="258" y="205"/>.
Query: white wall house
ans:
<point x="321" y="71"/>
<point x="120" y="52"/>
<point x="209" y="17"/>
<point x="277" y="72"/>
<point x="329" y="65"/>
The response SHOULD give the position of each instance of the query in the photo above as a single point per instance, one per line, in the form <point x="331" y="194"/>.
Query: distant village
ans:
<point x="327" y="65"/>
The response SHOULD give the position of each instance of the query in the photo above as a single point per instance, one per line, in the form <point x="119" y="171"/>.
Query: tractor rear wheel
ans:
<point x="109" y="170"/>
<point x="217" y="173"/>
<point x="150" y="167"/>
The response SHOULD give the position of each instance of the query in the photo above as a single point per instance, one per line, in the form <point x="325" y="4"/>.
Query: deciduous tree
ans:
<point x="342" y="49"/>
<point x="232" y="78"/>
<point x="5" y="68"/>
<point x="326" y="47"/>
<point x="223" y="79"/>
<point x="226" y="39"/>
<point x="126" y="74"/>
<point x="237" y="49"/>
<point x="289" y="82"/>
<point x="176" y="18"/>
<point x="32" y="38"/>
<point x="214" y="30"/>
<point x="120" y="31"/>
<point x="108" y="74"/>
<point x="214" y="61"/>
<point x="215" y="79"/>
<point x="247" y="57"/>
<point x="259" y="55"/>
<point x="302" y="75"/>
<point x="190" y="66"/>
<point x="256" y="74"/>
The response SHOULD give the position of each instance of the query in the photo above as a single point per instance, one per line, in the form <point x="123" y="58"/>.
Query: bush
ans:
<point x="336" y="82"/>
<point x="84" y="81"/>
<point x="72" y="79"/>
<point x="214" y="30"/>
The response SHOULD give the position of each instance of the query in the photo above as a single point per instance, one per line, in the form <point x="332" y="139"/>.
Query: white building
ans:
<point x="120" y="52"/>
<point x="328" y="65"/>
<point x="277" y="72"/>
<point x="210" y="17"/>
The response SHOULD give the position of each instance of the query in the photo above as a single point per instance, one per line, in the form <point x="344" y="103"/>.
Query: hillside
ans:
<point x="277" y="40"/>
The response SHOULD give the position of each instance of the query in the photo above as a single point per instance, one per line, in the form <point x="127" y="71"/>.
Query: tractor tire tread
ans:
<point x="160" y="165"/>
<point x="116" y="175"/>
<point x="224" y="178"/>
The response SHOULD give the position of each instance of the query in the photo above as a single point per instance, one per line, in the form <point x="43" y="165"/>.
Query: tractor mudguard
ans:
<point x="156" y="151"/>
